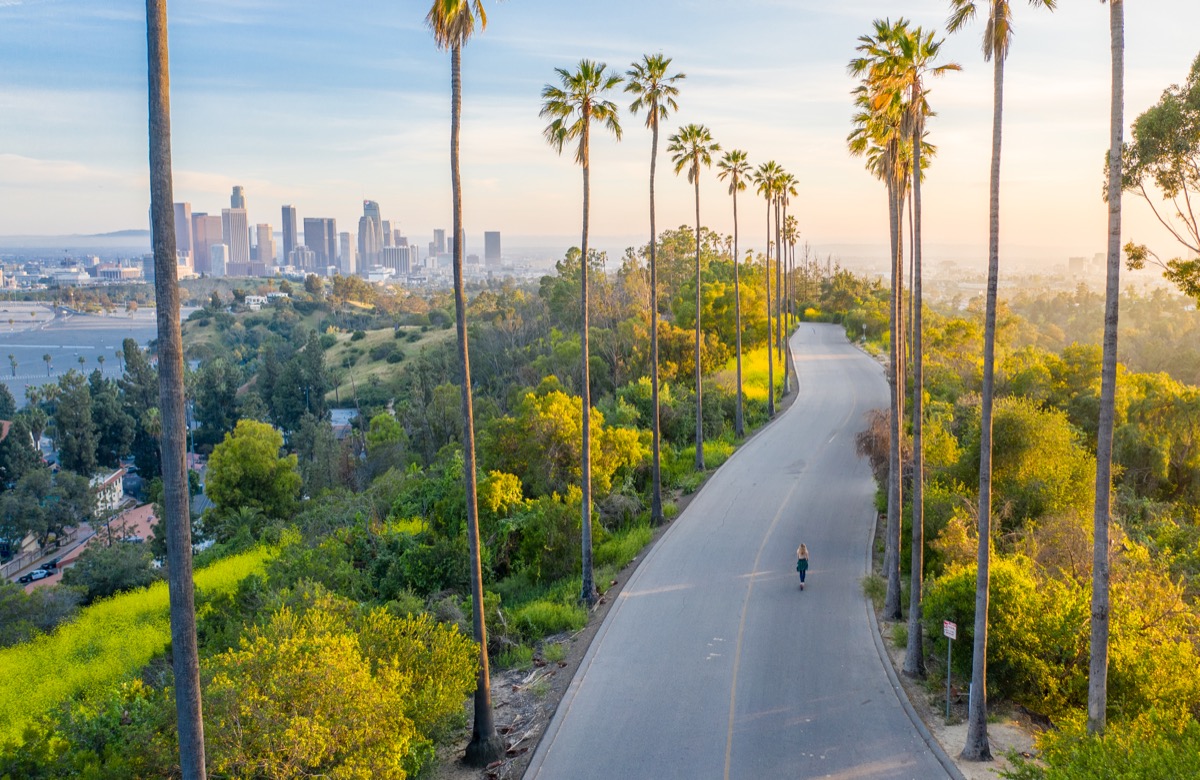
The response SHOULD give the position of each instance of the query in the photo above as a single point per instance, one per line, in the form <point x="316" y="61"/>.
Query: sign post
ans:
<point x="950" y="630"/>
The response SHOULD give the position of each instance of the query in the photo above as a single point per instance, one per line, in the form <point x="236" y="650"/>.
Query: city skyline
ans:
<point x="75" y="138"/>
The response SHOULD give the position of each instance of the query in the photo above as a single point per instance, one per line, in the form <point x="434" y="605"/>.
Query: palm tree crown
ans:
<point x="734" y="167"/>
<point x="652" y="88"/>
<point x="690" y="148"/>
<point x="453" y="21"/>
<point x="572" y="106"/>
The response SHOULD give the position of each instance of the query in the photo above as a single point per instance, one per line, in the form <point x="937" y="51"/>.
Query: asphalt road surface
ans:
<point x="713" y="663"/>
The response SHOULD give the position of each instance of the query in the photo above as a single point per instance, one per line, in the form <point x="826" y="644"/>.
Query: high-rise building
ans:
<point x="206" y="233"/>
<point x="184" y="248"/>
<point x="387" y="233"/>
<point x="218" y="259"/>
<point x="346" y="259"/>
<point x="491" y="248"/>
<point x="266" y="245"/>
<point x="289" y="231"/>
<point x="238" y="199"/>
<point x="396" y="258"/>
<point x="439" y="241"/>
<point x="370" y="237"/>
<point x="235" y="233"/>
<point x="320" y="235"/>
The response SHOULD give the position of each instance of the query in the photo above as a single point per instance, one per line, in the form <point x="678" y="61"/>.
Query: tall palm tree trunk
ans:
<point x="770" y="346"/>
<point x="185" y="659"/>
<point x="656" y="508"/>
<point x="485" y="745"/>
<point x="977" y="747"/>
<point x="1098" y="664"/>
<point x="891" y="557"/>
<point x="914" y="658"/>
<point x="739" y="424"/>
<point x="588" y="595"/>
<point x="699" y="388"/>
<point x="783" y="364"/>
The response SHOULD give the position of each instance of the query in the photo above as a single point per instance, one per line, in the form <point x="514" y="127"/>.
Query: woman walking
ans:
<point x="802" y="563"/>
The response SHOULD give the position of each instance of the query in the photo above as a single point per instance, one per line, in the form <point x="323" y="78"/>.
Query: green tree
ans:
<point x="246" y="470"/>
<point x="215" y="397"/>
<point x="654" y="91"/>
<point x="18" y="455"/>
<point x="690" y="148"/>
<point x="734" y="167"/>
<point x="24" y="616"/>
<point x="75" y="433"/>
<point x="571" y="108"/>
<point x="318" y="455"/>
<point x="8" y="404"/>
<point x="996" y="41"/>
<point x="114" y="427"/>
<point x="1164" y="155"/>
<point x="139" y="392"/>
<point x="104" y="570"/>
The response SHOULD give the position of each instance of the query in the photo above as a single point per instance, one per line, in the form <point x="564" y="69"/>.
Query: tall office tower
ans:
<point x="266" y="246"/>
<point x="369" y="244"/>
<point x="433" y="249"/>
<point x="346" y="260"/>
<point x="235" y="233"/>
<point x="439" y="241"/>
<point x="320" y="235"/>
<point x="491" y="248"/>
<point x="206" y="232"/>
<point x="218" y="259"/>
<point x="289" y="231"/>
<point x="238" y="199"/>
<point x="386" y="232"/>
<point x="184" y="247"/>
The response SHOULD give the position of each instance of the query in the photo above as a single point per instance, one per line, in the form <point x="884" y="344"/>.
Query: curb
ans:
<point x="935" y="747"/>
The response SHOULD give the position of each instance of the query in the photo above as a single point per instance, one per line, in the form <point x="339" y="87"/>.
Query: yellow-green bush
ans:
<point x="109" y="641"/>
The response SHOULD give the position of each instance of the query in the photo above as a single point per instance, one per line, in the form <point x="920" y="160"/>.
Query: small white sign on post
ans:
<point x="950" y="630"/>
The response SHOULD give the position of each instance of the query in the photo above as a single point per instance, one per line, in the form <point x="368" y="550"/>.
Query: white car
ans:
<point x="34" y="576"/>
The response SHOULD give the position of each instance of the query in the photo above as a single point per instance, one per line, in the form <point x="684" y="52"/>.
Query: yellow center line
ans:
<point x="737" y="653"/>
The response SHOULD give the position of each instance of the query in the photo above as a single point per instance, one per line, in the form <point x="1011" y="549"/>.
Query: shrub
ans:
<point x="543" y="618"/>
<point x="623" y="546"/>
<point x="358" y="335"/>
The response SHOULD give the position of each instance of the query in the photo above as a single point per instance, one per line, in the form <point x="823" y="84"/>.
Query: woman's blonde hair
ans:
<point x="802" y="552"/>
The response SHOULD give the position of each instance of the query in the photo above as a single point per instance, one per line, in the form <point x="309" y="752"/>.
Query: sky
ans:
<point x="321" y="105"/>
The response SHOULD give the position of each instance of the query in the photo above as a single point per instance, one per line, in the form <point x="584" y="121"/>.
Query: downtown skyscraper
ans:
<point x="289" y="231"/>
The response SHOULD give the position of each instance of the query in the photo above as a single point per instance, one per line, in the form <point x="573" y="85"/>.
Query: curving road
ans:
<point x="712" y="663"/>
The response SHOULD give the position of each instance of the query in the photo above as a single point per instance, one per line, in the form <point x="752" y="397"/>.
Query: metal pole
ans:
<point x="949" y="649"/>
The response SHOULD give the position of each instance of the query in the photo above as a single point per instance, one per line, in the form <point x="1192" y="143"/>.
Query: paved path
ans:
<point x="712" y="663"/>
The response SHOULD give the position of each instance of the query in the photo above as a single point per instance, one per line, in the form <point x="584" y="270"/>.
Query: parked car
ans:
<point x="50" y="565"/>
<point x="34" y="576"/>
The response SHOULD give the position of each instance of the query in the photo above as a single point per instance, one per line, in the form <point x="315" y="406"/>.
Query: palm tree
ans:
<point x="996" y="41"/>
<point x="173" y="457"/>
<point x="879" y="137"/>
<point x="46" y="357"/>
<point x="901" y="75"/>
<point x="791" y="232"/>
<point x="766" y="180"/>
<point x="12" y="362"/>
<point x="1098" y="662"/>
<point x="690" y="148"/>
<point x="100" y="360"/>
<point x="453" y="23"/>
<point x="655" y="91"/>
<point x="787" y="187"/>
<point x="734" y="167"/>
<point x="571" y="109"/>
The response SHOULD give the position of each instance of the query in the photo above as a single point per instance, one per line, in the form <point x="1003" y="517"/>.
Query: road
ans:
<point x="713" y="663"/>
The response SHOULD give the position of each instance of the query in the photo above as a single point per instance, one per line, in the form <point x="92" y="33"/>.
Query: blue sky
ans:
<point x="323" y="104"/>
